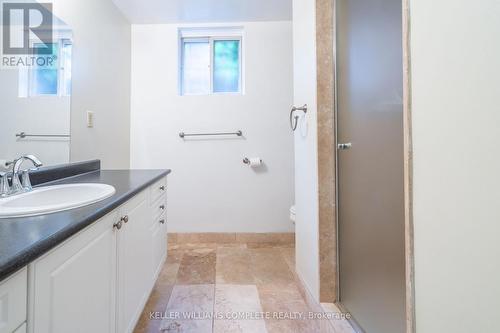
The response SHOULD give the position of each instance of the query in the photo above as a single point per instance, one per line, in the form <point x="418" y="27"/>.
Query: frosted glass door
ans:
<point x="370" y="117"/>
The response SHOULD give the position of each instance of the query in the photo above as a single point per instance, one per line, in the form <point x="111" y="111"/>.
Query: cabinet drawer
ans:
<point x="158" y="189"/>
<point x="159" y="207"/>
<point x="13" y="301"/>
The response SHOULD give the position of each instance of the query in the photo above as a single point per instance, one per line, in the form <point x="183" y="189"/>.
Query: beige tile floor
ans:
<point x="233" y="281"/>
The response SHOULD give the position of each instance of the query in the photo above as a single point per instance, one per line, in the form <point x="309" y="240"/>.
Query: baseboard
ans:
<point x="330" y="323"/>
<point x="226" y="238"/>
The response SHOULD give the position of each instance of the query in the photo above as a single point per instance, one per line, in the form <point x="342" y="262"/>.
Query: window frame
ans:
<point x="211" y="39"/>
<point x="63" y="70"/>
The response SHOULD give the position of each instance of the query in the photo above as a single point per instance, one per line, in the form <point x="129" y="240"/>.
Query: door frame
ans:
<point x="408" y="169"/>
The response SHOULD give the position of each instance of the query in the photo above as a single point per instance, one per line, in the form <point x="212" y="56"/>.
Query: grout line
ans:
<point x="215" y="287"/>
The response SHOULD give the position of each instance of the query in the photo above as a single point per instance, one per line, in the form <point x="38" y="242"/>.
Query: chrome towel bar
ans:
<point x="23" y="135"/>
<point x="182" y="135"/>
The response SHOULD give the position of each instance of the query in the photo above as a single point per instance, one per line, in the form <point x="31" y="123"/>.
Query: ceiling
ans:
<point x="203" y="11"/>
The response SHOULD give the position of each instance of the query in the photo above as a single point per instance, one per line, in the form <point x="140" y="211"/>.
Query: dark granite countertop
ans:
<point x="22" y="240"/>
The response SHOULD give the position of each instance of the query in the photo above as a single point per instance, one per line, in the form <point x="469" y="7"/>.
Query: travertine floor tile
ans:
<point x="192" y="246"/>
<point x="293" y="326"/>
<point x="168" y="274"/>
<point x="190" y="300"/>
<point x="232" y="245"/>
<point x="239" y="305"/>
<point x="269" y="245"/>
<point x="211" y="237"/>
<point x="187" y="326"/>
<point x="197" y="267"/>
<point x="174" y="256"/>
<point x="289" y="255"/>
<point x="286" y="300"/>
<point x="240" y="298"/>
<point x="269" y="267"/>
<point x="239" y="326"/>
<point x="281" y="299"/>
<point x="233" y="266"/>
<point x="284" y="238"/>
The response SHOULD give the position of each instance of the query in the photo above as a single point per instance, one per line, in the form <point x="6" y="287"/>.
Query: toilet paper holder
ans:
<point x="246" y="160"/>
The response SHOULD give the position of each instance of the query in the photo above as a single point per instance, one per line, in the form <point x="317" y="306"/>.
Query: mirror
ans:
<point x="35" y="100"/>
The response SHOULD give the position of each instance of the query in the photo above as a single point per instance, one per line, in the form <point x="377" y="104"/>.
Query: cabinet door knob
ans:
<point x="162" y="221"/>
<point x="125" y="218"/>
<point x="162" y="188"/>
<point x="118" y="225"/>
<point x="162" y="207"/>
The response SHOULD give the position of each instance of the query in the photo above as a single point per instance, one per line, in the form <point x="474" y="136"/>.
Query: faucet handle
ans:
<point x="16" y="186"/>
<point x="4" y="184"/>
<point x="25" y="180"/>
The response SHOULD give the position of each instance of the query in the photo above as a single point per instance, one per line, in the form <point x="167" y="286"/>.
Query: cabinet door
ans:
<point x="74" y="285"/>
<point x="158" y="245"/>
<point x="134" y="262"/>
<point x="13" y="296"/>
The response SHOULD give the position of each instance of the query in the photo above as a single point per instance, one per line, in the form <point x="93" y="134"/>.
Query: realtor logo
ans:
<point x="27" y="34"/>
<point x="24" y="22"/>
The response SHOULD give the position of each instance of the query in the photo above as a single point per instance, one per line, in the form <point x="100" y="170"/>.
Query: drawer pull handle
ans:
<point x="118" y="225"/>
<point x="162" y="221"/>
<point x="162" y="188"/>
<point x="125" y="219"/>
<point x="162" y="207"/>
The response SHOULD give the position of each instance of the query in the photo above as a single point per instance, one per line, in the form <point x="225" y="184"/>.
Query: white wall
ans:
<point x="101" y="80"/>
<point x="36" y="115"/>
<point x="306" y="144"/>
<point x="210" y="189"/>
<point x="456" y="87"/>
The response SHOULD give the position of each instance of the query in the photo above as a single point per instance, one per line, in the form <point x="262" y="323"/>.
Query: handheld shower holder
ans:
<point x="294" y="119"/>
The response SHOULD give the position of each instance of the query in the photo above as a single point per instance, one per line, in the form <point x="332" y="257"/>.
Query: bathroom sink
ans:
<point x="51" y="199"/>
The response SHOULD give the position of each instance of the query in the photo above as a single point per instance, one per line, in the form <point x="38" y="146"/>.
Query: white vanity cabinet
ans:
<point x="100" y="279"/>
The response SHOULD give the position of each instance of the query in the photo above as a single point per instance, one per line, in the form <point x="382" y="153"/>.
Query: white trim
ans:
<point x="193" y="32"/>
<point x="211" y="66"/>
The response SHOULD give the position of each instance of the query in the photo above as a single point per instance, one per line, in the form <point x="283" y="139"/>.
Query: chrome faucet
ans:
<point x="18" y="186"/>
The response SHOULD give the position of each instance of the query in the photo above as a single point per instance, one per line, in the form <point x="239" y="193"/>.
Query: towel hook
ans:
<point x="294" y="119"/>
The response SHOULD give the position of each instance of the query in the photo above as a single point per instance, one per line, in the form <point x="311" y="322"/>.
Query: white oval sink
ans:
<point x="51" y="199"/>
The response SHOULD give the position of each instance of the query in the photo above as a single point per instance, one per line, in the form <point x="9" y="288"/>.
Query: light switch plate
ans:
<point x="90" y="119"/>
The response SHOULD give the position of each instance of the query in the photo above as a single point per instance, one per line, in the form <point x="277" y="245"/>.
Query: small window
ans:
<point x="210" y="65"/>
<point x="49" y="80"/>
